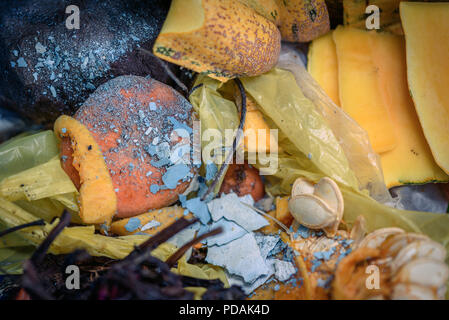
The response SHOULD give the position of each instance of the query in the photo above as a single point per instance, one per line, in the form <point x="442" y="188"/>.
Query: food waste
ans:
<point x="227" y="149"/>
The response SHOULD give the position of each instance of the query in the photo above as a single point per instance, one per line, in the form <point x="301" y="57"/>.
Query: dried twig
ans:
<point x="22" y="226"/>
<point x="166" y="234"/>
<point x="139" y="276"/>
<point x="40" y="252"/>
<point x="180" y="252"/>
<point x="167" y="69"/>
<point x="229" y="156"/>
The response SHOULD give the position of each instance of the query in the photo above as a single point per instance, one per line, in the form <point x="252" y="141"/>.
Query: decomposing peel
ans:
<point x="97" y="199"/>
<point x="303" y="21"/>
<point x="423" y="271"/>
<point x="359" y="90"/>
<point x="412" y="267"/>
<point x="411" y="291"/>
<point x="425" y="28"/>
<point x="394" y="244"/>
<point x="223" y="39"/>
<point x="322" y="65"/>
<point x="348" y="283"/>
<point x="375" y="238"/>
<point x="266" y="8"/>
<point x="355" y="16"/>
<point x="282" y="212"/>
<point x="418" y="249"/>
<point x="164" y="217"/>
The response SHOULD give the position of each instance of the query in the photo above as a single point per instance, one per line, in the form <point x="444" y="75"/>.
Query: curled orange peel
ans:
<point x="97" y="198"/>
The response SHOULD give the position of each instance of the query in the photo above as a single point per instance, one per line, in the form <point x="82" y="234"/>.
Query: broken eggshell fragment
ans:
<point x="318" y="206"/>
<point x="137" y="123"/>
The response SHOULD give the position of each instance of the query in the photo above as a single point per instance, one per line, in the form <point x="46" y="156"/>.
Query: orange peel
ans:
<point x="97" y="199"/>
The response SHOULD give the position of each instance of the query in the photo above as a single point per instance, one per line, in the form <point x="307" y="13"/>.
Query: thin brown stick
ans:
<point x="180" y="252"/>
<point x="166" y="234"/>
<point x="229" y="156"/>
<point x="167" y="69"/>
<point x="40" y="252"/>
<point x="22" y="226"/>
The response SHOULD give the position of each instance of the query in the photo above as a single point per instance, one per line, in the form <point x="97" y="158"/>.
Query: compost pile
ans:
<point x="224" y="149"/>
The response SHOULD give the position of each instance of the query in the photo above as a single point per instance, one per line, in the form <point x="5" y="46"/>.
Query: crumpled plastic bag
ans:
<point x="30" y="170"/>
<point x="39" y="188"/>
<point x="217" y="112"/>
<point x="39" y="182"/>
<point x="289" y="101"/>
<point x="353" y="139"/>
<point x="311" y="148"/>
<point x="72" y="238"/>
<point x="26" y="151"/>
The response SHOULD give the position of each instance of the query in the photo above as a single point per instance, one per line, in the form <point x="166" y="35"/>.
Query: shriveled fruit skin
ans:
<point x="323" y="65"/>
<point x="97" y="200"/>
<point x="303" y="20"/>
<point x="354" y="14"/>
<point x="164" y="216"/>
<point x="266" y="8"/>
<point x="427" y="48"/>
<point x="411" y="161"/>
<point x="232" y="41"/>
<point x="359" y="90"/>
<point x="243" y="179"/>
<point x="127" y="116"/>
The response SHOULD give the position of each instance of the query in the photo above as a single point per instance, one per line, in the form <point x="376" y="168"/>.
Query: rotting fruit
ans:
<point x="143" y="130"/>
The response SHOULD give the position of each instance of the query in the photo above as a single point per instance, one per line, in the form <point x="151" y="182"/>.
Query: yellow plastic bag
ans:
<point x="72" y="238"/>
<point x="30" y="170"/>
<point x="26" y="151"/>
<point x="43" y="181"/>
<point x="312" y="149"/>
<point x="216" y="113"/>
<point x="332" y="161"/>
<point x="353" y="139"/>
